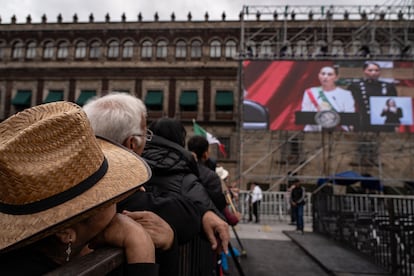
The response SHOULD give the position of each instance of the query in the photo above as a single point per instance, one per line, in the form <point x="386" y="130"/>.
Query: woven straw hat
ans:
<point x="222" y="172"/>
<point x="54" y="172"/>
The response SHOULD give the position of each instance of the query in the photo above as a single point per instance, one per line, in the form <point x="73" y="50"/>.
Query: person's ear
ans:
<point x="131" y="143"/>
<point x="66" y="235"/>
<point x="205" y="155"/>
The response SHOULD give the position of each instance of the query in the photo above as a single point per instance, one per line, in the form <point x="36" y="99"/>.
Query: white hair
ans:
<point x="116" y="116"/>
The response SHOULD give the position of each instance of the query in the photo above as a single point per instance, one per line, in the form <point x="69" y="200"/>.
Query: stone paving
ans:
<point x="277" y="249"/>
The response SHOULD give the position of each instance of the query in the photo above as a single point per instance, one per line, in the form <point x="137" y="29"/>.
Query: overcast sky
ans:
<point x="115" y="8"/>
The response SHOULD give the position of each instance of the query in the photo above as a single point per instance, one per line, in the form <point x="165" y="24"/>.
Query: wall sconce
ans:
<point x="310" y="15"/>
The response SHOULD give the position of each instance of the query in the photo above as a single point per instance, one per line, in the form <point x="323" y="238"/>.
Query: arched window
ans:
<point x="181" y="49"/>
<point x="95" y="50"/>
<point x="321" y="48"/>
<point x="251" y="49"/>
<point x="49" y="50"/>
<point x="231" y="49"/>
<point x="285" y="49"/>
<point x="63" y="50"/>
<point x="266" y="48"/>
<point x="196" y="49"/>
<point x="18" y="48"/>
<point x="80" y="51"/>
<point x="375" y="49"/>
<point x="337" y="48"/>
<point x="215" y="49"/>
<point x="301" y="49"/>
<point x="146" y="51"/>
<point x="113" y="49"/>
<point x="128" y="49"/>
<point x="355" y="48"/>
<point x="31" y="50"/>
<point x="2" y="46"/>
<point x="162" y="49"/>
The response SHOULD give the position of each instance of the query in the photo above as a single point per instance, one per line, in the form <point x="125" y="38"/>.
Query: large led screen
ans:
<point x="346" y="95"/>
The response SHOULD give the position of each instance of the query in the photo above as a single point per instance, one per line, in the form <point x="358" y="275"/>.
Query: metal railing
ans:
<point x="274" y="207"/>
<point x="380" y="227"/>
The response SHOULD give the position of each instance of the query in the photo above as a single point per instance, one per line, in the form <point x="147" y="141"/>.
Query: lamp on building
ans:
<point x="206" y="16"/>
<point x="107" y="18"/>
<point x="329" y="14"/>
<point x="364" y="51"/>
<point x="258" y="15"/>
<point x="75" y="18"/>
<point x="123" y="17"/>
<point x="400" y="15"/>
<point x="346" y="14"/>
<point x="59" y="18"/>
<point x="310" y="15"/>
<point x="44" y="18"/>
<point x="189" y="16"/>
<point x="223" y="16"/>
<point x="139" y="17"/>
<point x="406" y="51"/>
<point x="364" y="15"/>
<point x="275" y="15"/>
<point x="156" y="17"/>
<point x="91" y="18"/>
<point x="293" y="14"/>
<point x="28" y="19"/>
<point x="173" y="16"/>
<point x="13" y="19"/>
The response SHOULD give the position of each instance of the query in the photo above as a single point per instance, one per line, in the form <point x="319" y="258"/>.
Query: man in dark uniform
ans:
<point x="367" y="87"/>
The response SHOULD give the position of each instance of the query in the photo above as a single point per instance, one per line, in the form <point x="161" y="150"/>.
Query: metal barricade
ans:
<point x="274" y="207"/>
<point x="379" y="226"/>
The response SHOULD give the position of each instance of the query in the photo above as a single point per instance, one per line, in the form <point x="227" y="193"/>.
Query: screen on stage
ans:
<point x="371" y="95"/>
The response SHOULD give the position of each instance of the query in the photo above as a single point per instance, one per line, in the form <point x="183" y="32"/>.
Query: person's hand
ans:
<point x="126" y="233"/>
<point x="217" y="231"/>
<point x="160" y="231"/>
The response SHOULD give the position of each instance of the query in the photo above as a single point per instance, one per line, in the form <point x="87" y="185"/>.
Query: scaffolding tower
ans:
<point x="383" y="32"/>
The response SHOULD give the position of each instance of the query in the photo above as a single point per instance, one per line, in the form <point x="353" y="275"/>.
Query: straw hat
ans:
<point x="223" y="173"/>
<point x="54" y="172"/>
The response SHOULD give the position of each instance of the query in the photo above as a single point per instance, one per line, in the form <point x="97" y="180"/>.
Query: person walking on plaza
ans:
<point x="298" y="202"/>
<point x="254" y="198"/>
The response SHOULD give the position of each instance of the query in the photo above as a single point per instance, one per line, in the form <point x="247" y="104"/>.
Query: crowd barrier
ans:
<point x="196" y="257"/>
<point x="379" y="226"/>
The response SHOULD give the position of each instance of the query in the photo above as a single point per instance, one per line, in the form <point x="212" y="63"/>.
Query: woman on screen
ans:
<point x="327" y="97"/>
<point x="391" y="112"/>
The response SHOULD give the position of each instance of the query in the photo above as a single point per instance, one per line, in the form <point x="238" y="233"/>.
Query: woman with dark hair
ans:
<point x="175" y="172"/>
<point x="392" y="114"/>
<point x="369" y="86"/>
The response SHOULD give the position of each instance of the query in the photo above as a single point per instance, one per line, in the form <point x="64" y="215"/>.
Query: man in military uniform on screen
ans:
<point x="367" y="87"/>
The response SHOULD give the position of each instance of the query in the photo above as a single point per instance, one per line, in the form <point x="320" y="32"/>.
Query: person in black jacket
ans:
<point x="122" y="117"/>
<point x="362" y="89"/>
<point x="209" y="178"/>
<point x="175" y="172"/>
<point x="297" y="198"/>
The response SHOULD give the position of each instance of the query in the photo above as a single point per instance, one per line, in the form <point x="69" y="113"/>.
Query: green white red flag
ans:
<point x="198" y="130"/>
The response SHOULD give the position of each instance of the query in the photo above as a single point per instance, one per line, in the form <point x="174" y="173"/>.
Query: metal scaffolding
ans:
<point x="383" y="32"/>
<point x="304" y="32"/>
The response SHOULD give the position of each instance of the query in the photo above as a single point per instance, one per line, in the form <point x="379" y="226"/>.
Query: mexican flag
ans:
<point x="198" y="130"/>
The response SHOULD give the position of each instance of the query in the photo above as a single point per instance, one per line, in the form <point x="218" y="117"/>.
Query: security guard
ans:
<point x="367" y="87"/>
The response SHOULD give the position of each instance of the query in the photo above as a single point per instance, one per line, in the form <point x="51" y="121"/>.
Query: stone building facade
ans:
<point x="187" y="69"/>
